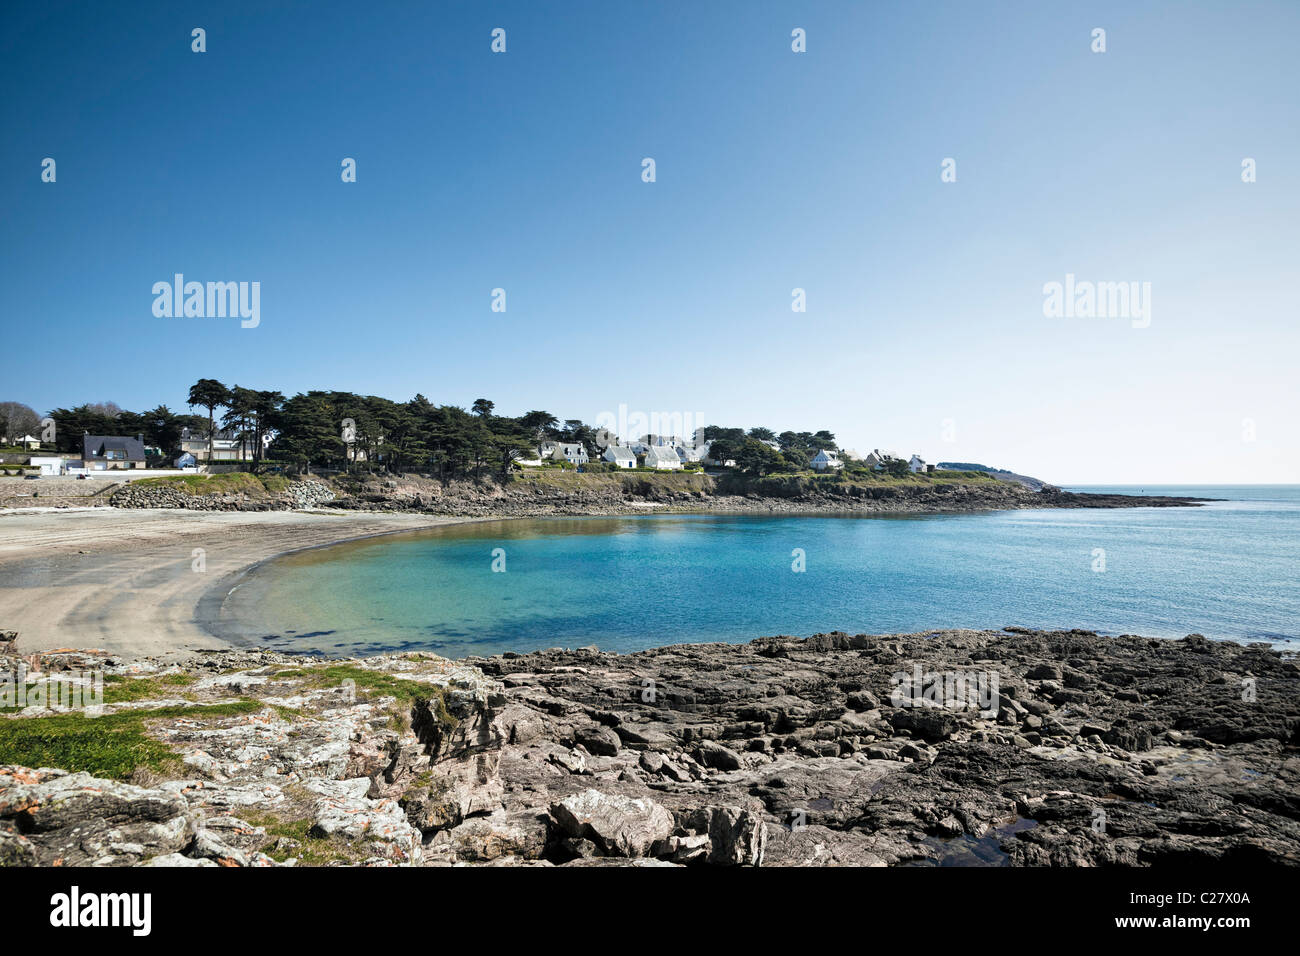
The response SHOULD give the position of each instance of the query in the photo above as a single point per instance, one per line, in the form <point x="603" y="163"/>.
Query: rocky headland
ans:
<point x="542" y="493"/>
<point x="1037" y="748"/>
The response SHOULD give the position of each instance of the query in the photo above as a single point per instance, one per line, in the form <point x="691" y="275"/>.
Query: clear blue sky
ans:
<point x="775" y="170"/>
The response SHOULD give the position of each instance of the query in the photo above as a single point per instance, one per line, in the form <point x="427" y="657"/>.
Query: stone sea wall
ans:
<point x="298" y="494"/>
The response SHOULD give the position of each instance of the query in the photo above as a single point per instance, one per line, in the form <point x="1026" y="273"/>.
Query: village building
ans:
<point x="225" y="446"/>
<point x="706" y="457"/>
<point x="876" y="460"/>
<point x="572" y="452"/>
<point x="662" y="458"/>
<point x="105" y="452"/>
<point x="620" y="455"/>
<point x="826" y="460"/>
<point x="50" y="466"/>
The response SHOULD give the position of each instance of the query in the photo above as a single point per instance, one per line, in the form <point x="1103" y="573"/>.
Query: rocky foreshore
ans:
<point x="558" y="493"/>
<point x="985" y="748"/>
<point x="633" y="493"/>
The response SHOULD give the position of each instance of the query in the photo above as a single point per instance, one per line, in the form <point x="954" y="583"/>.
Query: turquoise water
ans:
<point x="1227" y="570"/>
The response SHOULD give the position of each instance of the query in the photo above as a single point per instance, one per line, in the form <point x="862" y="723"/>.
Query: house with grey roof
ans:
<point x="663" y="458"/>
<point x="877" y="459"/>
<point x="620" y="455"/>
<point x="572" y="452"/>
<point x="103" y="452"/>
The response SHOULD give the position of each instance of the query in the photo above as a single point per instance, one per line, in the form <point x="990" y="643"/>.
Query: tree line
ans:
<point x="329" y="429"/>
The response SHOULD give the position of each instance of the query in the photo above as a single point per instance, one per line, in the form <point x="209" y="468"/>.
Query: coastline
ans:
<point x="128" y="581"/>
<point x="1070" y="748"/>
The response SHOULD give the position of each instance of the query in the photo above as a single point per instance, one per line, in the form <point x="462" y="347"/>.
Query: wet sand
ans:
<point x="129" y="581"/>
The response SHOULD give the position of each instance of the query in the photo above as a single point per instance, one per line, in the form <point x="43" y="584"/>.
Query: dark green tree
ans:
<point x="210" y="394"/>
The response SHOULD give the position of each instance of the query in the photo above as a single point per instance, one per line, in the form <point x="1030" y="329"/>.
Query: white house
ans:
<point x="916" y="464"/>
<point x="689" y="453"/>
<point x="574" y="453"/>
<point x="620" y="455"/>
<point x="876" y="460"/>
<point x="49" y="466"/>
<point x="662" y="458"/>
<point x="826" y="459"/>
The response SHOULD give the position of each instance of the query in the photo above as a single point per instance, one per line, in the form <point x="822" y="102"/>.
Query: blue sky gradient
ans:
<point x="775" y="170"/>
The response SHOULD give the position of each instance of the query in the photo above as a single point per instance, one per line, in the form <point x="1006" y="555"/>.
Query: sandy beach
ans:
<point x="125" y="581"/>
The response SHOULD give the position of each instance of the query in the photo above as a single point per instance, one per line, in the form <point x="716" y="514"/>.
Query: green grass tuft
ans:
<point x="112" y="745"/>
<point x="119" y="689"/>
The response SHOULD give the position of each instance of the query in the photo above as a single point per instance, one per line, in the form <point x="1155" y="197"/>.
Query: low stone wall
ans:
<point x="55" y="492"/>
<point x="302" y="494"/>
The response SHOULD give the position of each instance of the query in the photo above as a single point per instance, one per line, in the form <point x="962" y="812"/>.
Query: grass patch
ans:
<point x="225" y="483"/>
<point x="311" y="850"/>
<point x="119" y="689"/>
<point x="275" y="483"/>
<point x="375" y="684"/>
<point x="112" y="745"/>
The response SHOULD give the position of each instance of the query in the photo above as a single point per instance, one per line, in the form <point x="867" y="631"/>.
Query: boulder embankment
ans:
<point x="230" y="492"/>
<point x="1019" y="747"/>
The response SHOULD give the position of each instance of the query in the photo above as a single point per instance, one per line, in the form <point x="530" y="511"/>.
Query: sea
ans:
<point x="1229" y="569"/>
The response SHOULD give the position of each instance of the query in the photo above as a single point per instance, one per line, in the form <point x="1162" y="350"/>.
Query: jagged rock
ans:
<point x="74" y="819"/>
<point x="735" y="836"/>
<point x="619" y="825"/>
<point x="929" y="725"/>
<point x="598" y="740"/>
<point x="719" y="757"/>
<point x="522" y="834"/>
<point x="343" y="810"/>
<point x="17" y="850"/>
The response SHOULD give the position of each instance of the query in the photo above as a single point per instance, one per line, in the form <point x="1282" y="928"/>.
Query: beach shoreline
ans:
<point x="135" y="582"/>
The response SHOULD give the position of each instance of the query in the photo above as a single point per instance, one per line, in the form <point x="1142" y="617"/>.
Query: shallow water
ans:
<point x="1227" y="570"/>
